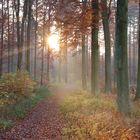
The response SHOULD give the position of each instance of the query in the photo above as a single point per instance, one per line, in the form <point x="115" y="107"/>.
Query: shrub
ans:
<point x="91" y="117"/>
<point x="14" y="86"/>
<point x="11" y="114"/>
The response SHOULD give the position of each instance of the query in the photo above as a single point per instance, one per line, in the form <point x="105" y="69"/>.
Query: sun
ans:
<point x="53" y="41"/>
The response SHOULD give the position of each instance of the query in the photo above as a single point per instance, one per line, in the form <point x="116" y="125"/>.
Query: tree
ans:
<point x="2" y="32"/>
<point x="48" y="46"/>
<point x="138" y="75"/>
<point x="105" y="18"/>
<point x="66" y="55"/>
<point x="13" y="36"/>
<point x="130" y="56"/>
<point x="36" y="29"/>
<point x="8" y="40"/>
<point x="84" y="74"/>
<point x="17" y="7"/>
<point x="95" y="49"/>
<point x="121" y="57"/>
<point x="60" y="54"/>
<point x="30" y="2"/>
<point x="43" y="46"/>
<point x="23" y="27"/>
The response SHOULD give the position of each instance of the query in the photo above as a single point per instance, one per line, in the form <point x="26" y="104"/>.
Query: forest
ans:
<point x="69" y="69"/>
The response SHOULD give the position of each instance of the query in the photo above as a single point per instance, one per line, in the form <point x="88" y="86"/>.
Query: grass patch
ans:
<point x="95" y="118"/>
<point x="12" y="113"/>
<point x="5" y="124"/>
<point x="86" y="103"/>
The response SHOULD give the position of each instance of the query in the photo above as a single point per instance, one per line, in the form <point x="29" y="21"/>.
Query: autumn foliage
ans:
<point x="88" y="118"/>
<point x="14" y="86"/>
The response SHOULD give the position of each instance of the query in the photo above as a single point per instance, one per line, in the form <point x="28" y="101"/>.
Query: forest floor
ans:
<point x="71" y="114"/>
<point x="44" y="122"/>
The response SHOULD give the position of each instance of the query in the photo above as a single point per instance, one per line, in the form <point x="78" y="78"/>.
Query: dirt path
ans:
<point x="44" y="122"/>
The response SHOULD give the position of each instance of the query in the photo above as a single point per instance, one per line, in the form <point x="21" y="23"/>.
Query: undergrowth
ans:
<point x="10" y="114"/>
<point x="96" y="118"/>
<point x="14" y="87"/>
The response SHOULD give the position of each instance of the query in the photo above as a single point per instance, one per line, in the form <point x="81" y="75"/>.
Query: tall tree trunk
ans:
<point x="1" y="48"/>
<point x="87" y="58"/>
<point x="13" y="37"/>
<point x="121" y="57"/>
<point x="48" y="63"/>
<point x="134" y="56"/>
<point x="95" y="49"/>
<point x="84" y="74"/>
<point x="19" y="62"/>
<point x="25" y="11"/>
<point x="60" y="65"/>
<point x="36" y="29"/>
<point x="8" y="41"/>
<point x="130" y="58"/>
<point x="43" y="48"/>
<point x="28" y="35"/>
<point x="105" y="17"/>
<point x="66" y="60"/>
<point x="42" y="61"/>
<point x="138" y="75"/>
<point x="48" y="53"/>
<point x="60" y="58"/>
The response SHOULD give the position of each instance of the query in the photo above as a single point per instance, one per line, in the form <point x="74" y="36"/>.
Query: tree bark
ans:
<point x="130" y="58"/>
<point x="22" y="38"/>
<point x="28" y="35"/>
<point x="84" y="74"/>
<point x="48" y="46"/>
<point x="43" y="48"/>
<point x="42" y="61"/>
<point x="19" y="62"/>
<point x="105" y="17"/>
<point x="60" y="57"/>
<point x="8" y="41"/>
<point x="121" y="57"/>
<point x="95" y="49"/>
<point x="66" y="60"/>
<point x="36" y="29"/>
<point x="13" y="37"/>
<point x="2" y="32"/>
<point x="138" y="75"/>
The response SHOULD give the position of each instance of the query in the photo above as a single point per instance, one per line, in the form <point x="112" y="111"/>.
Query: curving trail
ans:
<point x="44" y="122"/>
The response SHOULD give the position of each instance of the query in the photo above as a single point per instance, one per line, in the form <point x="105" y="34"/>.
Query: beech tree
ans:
<point x="13" y="36"/>
<point x="8" y="36"/>
<point x="2" y="33"/>
<point x="36" y="38"/>
<point x="22" y="39"/>
<point x="30" y="3"/>
<point x="106" y="28"/>
<point x="95" y="49"/>
<point x="121" y="57"/>
<point x="17" y="8"/>
<point x="138" y="75"/>
<point x="84" y="74"/>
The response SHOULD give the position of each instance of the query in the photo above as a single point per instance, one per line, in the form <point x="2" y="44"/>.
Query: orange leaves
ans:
<point x="90" y="118"/>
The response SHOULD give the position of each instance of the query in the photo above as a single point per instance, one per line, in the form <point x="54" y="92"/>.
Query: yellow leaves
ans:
<point x="87" y="103"/>
<point x="88" y="118"/>
<point x="13" y="86"/>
